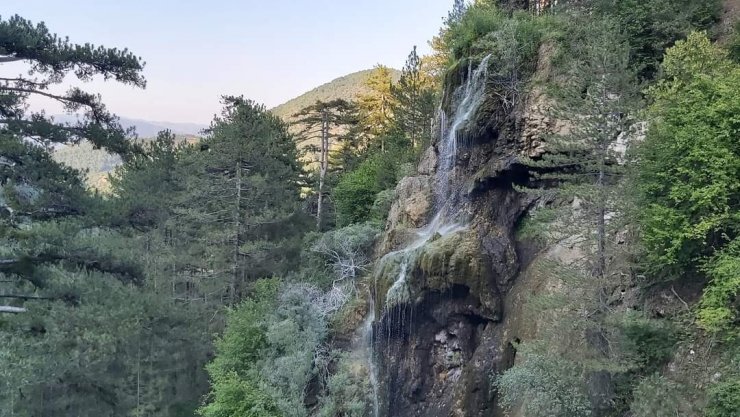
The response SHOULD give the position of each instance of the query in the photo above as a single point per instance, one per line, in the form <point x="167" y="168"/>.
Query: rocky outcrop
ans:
<point x="445" y="329"/>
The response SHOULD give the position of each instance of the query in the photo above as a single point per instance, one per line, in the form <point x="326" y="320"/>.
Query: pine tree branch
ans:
<point x="62" y="99"/>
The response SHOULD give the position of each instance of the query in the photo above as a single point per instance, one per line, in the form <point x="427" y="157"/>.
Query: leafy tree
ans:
<point x="688" y="166"/>
<point x="236" y="388"/>
<point x="269" y="352"/>
<point x="653" y="26"/>
<point x="356" y="191"/>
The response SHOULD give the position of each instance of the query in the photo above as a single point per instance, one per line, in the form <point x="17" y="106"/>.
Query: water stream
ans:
<point x="446" y="219"/>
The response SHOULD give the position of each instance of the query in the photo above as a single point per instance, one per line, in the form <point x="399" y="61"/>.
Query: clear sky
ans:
<point x="269" y="51"/>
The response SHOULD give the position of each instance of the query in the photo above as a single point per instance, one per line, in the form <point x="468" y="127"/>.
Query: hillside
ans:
<point x="348" y="87"/>
<point x="96" y="164"/>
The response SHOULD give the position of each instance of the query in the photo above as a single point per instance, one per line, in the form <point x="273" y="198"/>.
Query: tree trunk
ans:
<point x="237" y="226"/>
<point x="323" y="166"/>
<point x="601" y="230"/>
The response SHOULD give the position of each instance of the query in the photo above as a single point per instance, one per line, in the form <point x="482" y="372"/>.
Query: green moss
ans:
<point x="448" y="260"/>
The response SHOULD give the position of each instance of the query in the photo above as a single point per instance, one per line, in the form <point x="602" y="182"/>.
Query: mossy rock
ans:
<point x="387" y="271"/>
<point x="449" y="260"/>
<point x="443" y="262"/>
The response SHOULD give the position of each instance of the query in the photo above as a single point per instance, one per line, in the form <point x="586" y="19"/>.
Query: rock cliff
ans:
<point x="451" y="270"/>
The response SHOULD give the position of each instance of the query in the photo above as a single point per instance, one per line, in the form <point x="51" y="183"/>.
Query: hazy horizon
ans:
<point x="269" y="52"/>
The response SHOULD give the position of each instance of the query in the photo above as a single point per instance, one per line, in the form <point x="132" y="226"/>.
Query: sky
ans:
<point x="269" y="51"/>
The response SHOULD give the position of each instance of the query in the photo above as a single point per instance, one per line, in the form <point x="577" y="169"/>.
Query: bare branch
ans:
<point x="12" y="310"/>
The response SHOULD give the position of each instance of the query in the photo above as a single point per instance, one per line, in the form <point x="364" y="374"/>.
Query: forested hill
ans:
<point x="348" y="87"/>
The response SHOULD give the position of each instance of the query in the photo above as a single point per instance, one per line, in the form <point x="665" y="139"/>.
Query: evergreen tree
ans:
<point x="376" y="106"/>
<point x="241" y="205"/>
<point x="50" y="59"/>
<point x="414" y="99"/>
<point x="582" y="167"/>
<point x="326" y="122"/>
<point x="587" y="162"/>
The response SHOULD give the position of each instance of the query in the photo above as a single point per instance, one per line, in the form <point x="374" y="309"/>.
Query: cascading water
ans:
<point x="468" y="98"/>
<point x="445" y="221"/>
<point x="369" y="351"/>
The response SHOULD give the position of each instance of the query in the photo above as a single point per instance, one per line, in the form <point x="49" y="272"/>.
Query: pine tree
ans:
<point x="587" y="162"/>
<point x="326" y="122"/>
<point x="581" y="174"/>
<point x="241" y="206"/>
<point x="414" y="98"/>
<point x="50" y="59"/>
<point x="376" y="105"/>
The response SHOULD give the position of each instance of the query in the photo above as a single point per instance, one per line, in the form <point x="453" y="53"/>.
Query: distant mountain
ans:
<point x="148" y="128"/>
<point x="348" y="88"/>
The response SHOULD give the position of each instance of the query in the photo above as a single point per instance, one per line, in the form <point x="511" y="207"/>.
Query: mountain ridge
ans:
<point x="347" y="87"/>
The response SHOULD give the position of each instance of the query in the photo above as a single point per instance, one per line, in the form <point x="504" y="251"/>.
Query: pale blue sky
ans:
<point x="269" y="51"/>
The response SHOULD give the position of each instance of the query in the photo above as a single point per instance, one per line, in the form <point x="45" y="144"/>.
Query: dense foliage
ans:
<point x="692" y="215"/>
<point x="109" y="302"/>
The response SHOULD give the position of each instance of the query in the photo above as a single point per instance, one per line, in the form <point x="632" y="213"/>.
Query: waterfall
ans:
<point x="467" y="99"/>
<point x="367" y="336"/>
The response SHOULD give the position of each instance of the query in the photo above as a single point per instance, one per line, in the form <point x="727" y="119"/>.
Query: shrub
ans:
<point x="724" y="399"/>
<point x="544" y="385"/>
<point x="355" y="193"/>
<point x="656" y="396"/>
<point x="478" y="20"/>
<point x="348" y="392"/>
<point x="719" y="304"/>
<point x="651" y="341"/>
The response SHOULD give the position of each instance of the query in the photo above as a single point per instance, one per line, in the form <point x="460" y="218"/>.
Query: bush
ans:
<point x="656" y="396"/>
<point x="348" y="392"/>
<point x="478" y="20"/>
<point x="355" y="193"/>
<point x="718" y="309"/>
<point x="724" y="399"/>
<point x="544" y="385"/>
<point x="652" y="342"/>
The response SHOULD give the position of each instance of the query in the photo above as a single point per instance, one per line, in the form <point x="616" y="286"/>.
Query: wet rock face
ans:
<point x="444" y="334"/>
<point x="426" y="353"/>
<point x="439" y="350"/>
